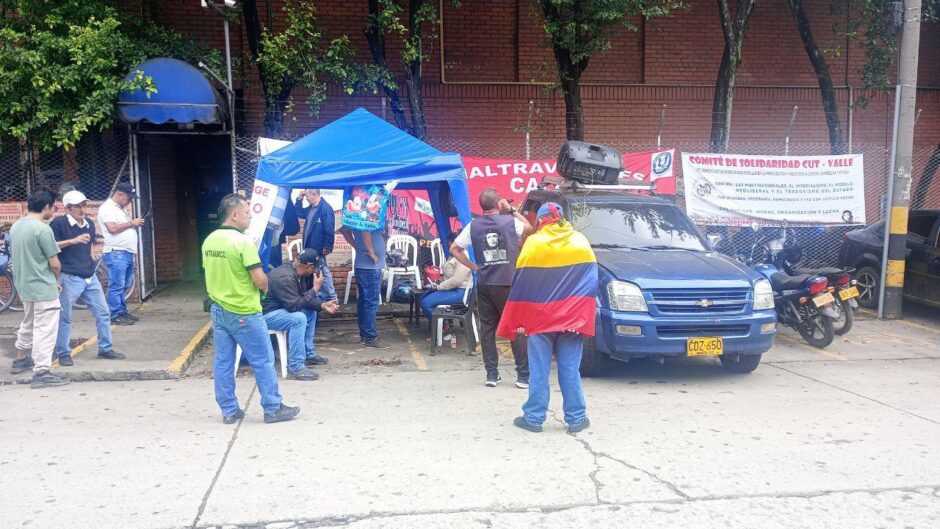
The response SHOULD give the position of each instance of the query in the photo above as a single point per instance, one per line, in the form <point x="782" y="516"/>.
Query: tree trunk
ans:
<point x="274" y="105"/>
<point x="836" y="141"/>
<point x="376" y="41"/>
<point x="721" y="105"/>
<point x="926" y="179"/>
<point x="574" y="108"/>
<point x="734" y="29"/>
<point x="416" y="100"/>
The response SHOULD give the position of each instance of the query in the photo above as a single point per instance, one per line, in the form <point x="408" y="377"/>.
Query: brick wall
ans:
<point x="161" y="152"/>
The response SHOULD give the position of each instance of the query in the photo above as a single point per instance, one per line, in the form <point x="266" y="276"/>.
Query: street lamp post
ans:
<point x="222" y="6"/>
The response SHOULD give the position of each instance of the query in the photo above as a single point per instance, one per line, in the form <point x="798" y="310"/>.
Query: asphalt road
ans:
<point x="843" y="438"/>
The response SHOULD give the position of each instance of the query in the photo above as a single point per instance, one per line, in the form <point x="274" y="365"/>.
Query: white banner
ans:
<point x="736" y="189"/>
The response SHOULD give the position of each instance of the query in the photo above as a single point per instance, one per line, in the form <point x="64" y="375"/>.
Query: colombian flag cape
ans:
<point x="555" y="285"/>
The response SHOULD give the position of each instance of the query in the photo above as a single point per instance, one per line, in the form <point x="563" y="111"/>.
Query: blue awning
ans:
<point x="183" y="96"/>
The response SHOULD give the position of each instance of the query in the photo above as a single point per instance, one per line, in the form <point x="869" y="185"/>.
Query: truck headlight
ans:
<point x="626" y="297"/>
<point x="763" y="295"/>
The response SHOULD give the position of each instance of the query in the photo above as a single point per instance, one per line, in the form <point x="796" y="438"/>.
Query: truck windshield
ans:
<point x="635" y="226"/>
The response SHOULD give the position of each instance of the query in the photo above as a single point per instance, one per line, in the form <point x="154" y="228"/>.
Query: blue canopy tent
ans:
<point x="362" y="149"/>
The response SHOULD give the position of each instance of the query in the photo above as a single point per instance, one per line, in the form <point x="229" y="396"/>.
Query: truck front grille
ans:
<point x="699" y="300"/>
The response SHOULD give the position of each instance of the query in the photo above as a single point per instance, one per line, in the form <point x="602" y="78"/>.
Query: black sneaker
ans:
<point x="316" y="361"/>
<point x="122" y="320"/>
<point x="45" y="379"/>
<point x="493" y="378"/>
<point x="66" y="361"/>
<point x="302" y="374"/>
<point x="130" y="316"/>
<point x="22" y="365"/>
<point x="522" y="382"/>
<point x="284" y="413"/>
<point x="375" y="344"/>
<point x="110" y="355"/>
<point x="580" y="427"/>
<point x="233" y="418"/>
<point x="520" y="422"/>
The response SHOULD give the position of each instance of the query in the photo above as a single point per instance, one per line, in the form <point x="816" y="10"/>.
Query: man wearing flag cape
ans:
<point x="552" y="303"/>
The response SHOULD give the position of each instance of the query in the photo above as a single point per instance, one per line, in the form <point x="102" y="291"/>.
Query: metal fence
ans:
<point x="821" y="245"/>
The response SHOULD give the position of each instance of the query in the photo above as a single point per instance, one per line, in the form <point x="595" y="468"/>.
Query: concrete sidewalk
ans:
<point x="172" y="324"/>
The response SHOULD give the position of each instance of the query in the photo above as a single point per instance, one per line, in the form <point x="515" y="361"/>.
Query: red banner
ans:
<point x="410" y="212"/>
<point x="515" y="178"/>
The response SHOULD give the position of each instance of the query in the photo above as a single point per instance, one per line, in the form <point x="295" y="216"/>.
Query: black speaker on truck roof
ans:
<point x="590" y="163"/>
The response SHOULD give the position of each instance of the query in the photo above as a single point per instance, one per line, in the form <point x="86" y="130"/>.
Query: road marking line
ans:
<point x="416" y="355"/>
<point x="187" y="353"/>
<point x="904" y="340"/>
<point x="824" y="352"/>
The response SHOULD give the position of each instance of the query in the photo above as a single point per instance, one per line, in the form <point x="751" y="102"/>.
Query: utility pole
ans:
<point x="896" y="222"/>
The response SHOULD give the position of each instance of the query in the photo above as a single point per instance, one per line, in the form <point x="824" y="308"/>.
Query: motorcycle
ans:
<point x="804" y="302"/>
<point x="841" y="284"/>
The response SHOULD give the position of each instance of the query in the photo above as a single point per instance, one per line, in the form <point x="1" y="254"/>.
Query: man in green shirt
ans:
<point x="235" y="282"/>
<point x="36" y="277"/>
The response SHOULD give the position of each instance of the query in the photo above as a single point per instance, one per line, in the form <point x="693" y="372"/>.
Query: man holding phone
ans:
<point x="290" y="306"/>
<point x="319" y="234"/>
<point x="120" y="247"/>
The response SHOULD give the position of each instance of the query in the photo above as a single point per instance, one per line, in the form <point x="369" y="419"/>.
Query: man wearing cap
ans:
<point x="120" y="247"/>
<point x="75" y="236"/>
<point x="290" y="306"/>
<point x="495" y="237"/>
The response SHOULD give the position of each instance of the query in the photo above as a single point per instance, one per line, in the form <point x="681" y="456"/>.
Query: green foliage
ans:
<point x="63" y="64"/>
<point x="880" y="39"/>
<point x="303" y="55"/>
<point x="411" y="33"/>
<point x="585" y="27"/>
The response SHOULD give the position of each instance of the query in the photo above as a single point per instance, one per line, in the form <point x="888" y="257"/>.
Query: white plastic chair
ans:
<point x="281" y="337"/>
<point x="295" y="248"/>
<point x="437" y="253"/>
<point x="408" y="246"/>
<point x="471" y="312"/>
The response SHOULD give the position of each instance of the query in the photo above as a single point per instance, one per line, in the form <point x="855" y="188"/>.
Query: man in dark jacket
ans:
<point x="290" y="306"/>
<point x="319" y="234"/>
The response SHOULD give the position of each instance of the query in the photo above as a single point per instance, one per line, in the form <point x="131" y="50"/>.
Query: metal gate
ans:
<point x="146" y="255"/>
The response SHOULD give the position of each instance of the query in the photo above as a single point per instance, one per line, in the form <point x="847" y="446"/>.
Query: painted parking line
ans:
<point x="920" y="326"/>
<point x="416" y="355"/>
<point x="801" y="345"/>
<point x="186" y="355"/>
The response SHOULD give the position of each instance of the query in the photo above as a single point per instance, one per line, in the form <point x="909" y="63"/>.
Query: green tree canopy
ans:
<point x="63" y="64"/>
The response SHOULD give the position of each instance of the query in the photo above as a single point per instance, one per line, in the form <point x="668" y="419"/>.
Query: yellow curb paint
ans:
<point x="416" y="355"/>
<point x="895" y="276"/>
<point x="187" y="353"/>
<point x="899" y="215"/>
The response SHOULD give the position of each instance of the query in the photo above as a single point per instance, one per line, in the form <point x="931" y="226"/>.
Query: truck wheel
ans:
<point x="743" y="364"/>
<point x="868" y="280"/>
<point x="592" y="360"/>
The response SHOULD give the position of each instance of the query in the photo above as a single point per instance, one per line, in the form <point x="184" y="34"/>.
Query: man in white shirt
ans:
<point x="120" y="247"/>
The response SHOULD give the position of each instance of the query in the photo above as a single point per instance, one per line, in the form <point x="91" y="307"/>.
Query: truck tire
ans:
<point x="592" y="360"/>
<point x="869" y="279"/>
<point x="743" y="364"/>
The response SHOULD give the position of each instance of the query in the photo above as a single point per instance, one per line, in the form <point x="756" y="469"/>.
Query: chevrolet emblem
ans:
<point x="705" y="303"/>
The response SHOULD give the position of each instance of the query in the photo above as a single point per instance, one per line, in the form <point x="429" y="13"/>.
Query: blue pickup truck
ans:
<point x="663" y="290"/>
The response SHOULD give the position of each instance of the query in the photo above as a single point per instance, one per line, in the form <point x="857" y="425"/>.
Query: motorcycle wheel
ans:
<point x="815" y="328"/>
<point x="843" y="324"/>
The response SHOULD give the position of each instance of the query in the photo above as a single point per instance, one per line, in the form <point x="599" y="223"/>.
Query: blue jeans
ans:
<point x="568" y="347"/>
<point x="368" y="288"/>
<point x="327" y="291"/>
<point x="436" y="298"/>
<point x="251" y="333"/>
<point x="120" y="274"/>
<point x="73" y="289"/>
<point x="300" y="327"/>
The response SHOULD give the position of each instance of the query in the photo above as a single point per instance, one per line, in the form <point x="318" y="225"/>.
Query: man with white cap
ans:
<point x="120" y="247"/>
<point x="75" y="235"/>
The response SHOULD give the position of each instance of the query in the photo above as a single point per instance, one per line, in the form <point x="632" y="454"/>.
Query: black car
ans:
<point x="862" y="250"/>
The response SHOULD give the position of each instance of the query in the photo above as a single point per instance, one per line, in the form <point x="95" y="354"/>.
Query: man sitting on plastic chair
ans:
<point x="290" y="307"/>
